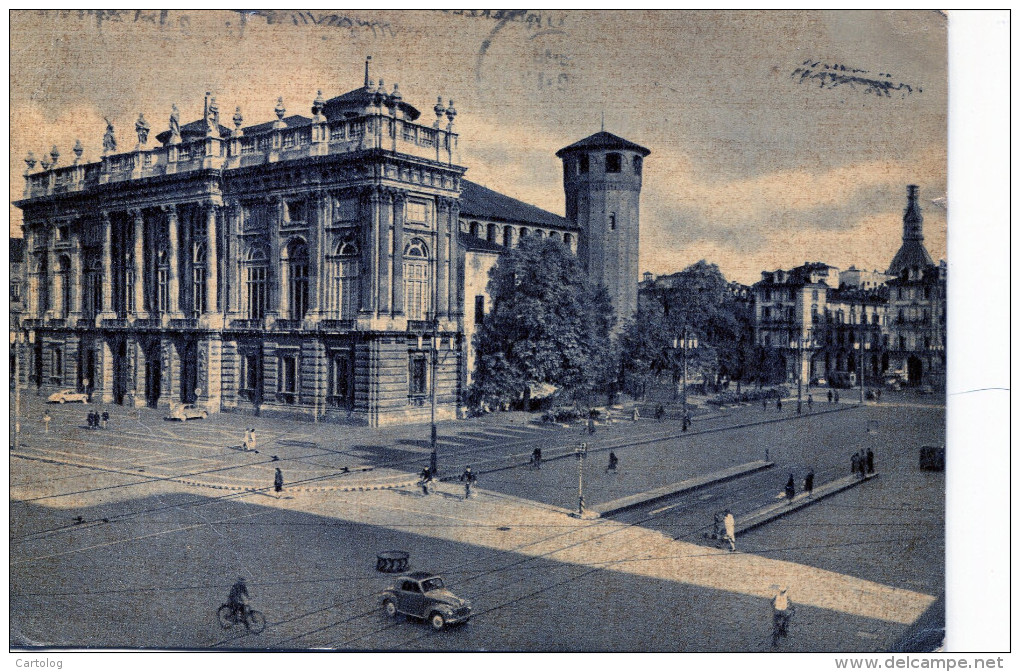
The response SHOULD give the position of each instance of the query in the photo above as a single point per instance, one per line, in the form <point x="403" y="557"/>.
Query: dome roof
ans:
<point x="353" y="103"/>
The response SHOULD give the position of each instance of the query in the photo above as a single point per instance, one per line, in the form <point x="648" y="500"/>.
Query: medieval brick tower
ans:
<point x="602" y="183"/>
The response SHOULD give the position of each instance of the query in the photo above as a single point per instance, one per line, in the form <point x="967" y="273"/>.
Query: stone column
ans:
<point x="139" y="307"/>
<point x="399" y="204"/>
<point x="210" y="354"/>
<point x="452" y="249"/>
<point x="212" y="262"/>
<point x="441" y="279"/>
<point x="107" y="267"/>
<point x="316" y="261"/>
<point x="104" y="372"/>
<point x="76" y="275"/>
<point x="385" y="253"/>
<point x="173" y="245"/>
<point x="279" y="293"/>
<point x="232" y="271"/>
<point x="370" y="252"/>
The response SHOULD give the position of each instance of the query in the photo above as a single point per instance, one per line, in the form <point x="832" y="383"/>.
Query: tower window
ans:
<point x="582" y="164"/>
<point x="637" y="165"/>
<point x="613" y="163"/>
<point x="612" y="221"/>
<point x="567" y="167"/>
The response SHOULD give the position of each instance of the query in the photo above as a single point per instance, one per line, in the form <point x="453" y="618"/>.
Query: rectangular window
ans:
<point x="287" y="378"/>
<point x="417" y="374"/>
<point x="296" y="212"/>
<point x="479" y="309"/>
<point x="345" y="210"/>
<point x="341" y="379"/>
<point x="416" y="212"/>
<point x="613" y="163"/>
<point x="251" y="376"/>
<point x="15" y="291"/>
<point x="56" y="366"/>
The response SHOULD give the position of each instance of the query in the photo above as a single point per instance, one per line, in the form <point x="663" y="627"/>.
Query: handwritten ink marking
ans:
<point x="352" y="24"/>
<point x="532" y="20"/>
<point x="831" y="76"/>
<point x="136" y="16"/>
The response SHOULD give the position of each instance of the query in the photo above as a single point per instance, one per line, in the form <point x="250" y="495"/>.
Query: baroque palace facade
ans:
<point x="313" y="266"/>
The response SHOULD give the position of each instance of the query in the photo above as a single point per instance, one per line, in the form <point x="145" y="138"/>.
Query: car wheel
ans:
<point x="437" y="621"/>
<point x="391" y="608"/>
<point x="63" y="400"/>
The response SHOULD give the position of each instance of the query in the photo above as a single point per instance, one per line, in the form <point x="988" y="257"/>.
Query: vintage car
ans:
<point x="64" y="396"/>
<point x="184" y="412"/>
<point x="423" y="595"/>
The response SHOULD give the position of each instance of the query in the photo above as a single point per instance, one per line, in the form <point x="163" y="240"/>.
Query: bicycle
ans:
<point x="254" y="621"/>
<point x="781" y="625"/>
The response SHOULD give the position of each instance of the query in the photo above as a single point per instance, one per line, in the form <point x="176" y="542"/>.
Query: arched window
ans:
<point x="198" y="280"/>
<point x="163" y="282"/>
<point x="555" y="235"/>
<point x="297" y="279"/>
<point x="522" y="235"/>
<point x="63" y="281"/>
<point x="490" y="233"/>
<point x="613" y="162"/>
<point x="568" y="239"/>
<point x="473" y="229"/>
<point x="539" y="233"/>
<point x="416" y="280"/>
<point x="256" y="284"/>
<point x="346" y="283"/>
<point x="508" y="236"/>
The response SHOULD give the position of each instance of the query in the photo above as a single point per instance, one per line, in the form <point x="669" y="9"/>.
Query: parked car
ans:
<point x="184" y="412"/>
<point x="64" y="396"/>
<point x="423" y="595"/>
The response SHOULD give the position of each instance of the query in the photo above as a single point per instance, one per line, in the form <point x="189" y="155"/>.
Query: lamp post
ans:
<point x="17" y="340"/>
<point x="802" y="342"/>
<point x="860" y="340"/>
<point x="580" y="453"/>
<point x="434" y="366"/>
<point x="685" y="341"/>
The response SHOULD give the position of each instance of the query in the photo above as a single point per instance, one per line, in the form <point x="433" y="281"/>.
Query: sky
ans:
<point x="761" y="157"/>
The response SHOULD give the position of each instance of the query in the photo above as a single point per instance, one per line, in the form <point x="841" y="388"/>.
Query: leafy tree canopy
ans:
<point x="547" y="324"/>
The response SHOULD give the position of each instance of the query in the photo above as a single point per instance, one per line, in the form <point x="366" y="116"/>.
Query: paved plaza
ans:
<point x="144" y="526"/>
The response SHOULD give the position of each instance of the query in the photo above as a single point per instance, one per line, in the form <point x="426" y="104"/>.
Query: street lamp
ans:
<point x="800" y="344"/>
<point x="434" y="363"/>
<point x="580" y="453"/>
<point x="17" y="340"/>
<point x="685" y="341"/>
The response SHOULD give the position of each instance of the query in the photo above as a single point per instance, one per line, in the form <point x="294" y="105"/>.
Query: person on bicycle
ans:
<point x="426" y="478"/>
<point x="238" y="599"/>
<point x="468" y="477"/>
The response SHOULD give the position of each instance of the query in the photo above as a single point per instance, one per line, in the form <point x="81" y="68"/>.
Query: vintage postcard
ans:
<point x="478" y="330"/>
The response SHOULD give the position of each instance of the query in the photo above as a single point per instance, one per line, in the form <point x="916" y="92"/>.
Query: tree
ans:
<point x="698" y="301"/>
<point x="548" y="324"/>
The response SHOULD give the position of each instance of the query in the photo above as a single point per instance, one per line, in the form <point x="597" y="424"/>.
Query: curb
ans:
<point x="787" y="509"/>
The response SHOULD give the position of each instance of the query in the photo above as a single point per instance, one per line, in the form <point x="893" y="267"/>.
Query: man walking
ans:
<point x="791" y="490"/>
<point x="854" y="464"/>
<point x="46" y="422"/>
<point x="782" y="610"/>
<point x="779" y="404"/>
<point x="278" y="482"/>
<point x="468" y="477"/>
<point x="426" y="478"/>
<point x="830" y="396"/>
<point x="105" y="418"/>
<point x="730" y="526"/>
<point x="810" y="403"/>
<point x="809" y="482"/>
<point x="536" y="458"/>
<point x="871" y="461"/>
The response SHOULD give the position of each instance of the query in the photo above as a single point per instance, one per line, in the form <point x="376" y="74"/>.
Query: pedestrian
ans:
<point x="93" y="419"/>
<point x="764" y="403"/>
<point x="536" y="458"/>
<point x="591" y="425"/>
<point x="718" y="531"/>
<point x="779" y="403"/>
<point x="468" y="477"/>
<point x="730" y="526"/>
<point x="871" y="461"/>
<point x="830" y="396"/>
<point x="278" y="481"/>
<point x="105" y="418"/>
<point x="635" y="414"/>
<point x="660" y="412"/>
<point x="686" y="423"/>
<point x="809" y="482"/>
<point x="46" y="422"/>
<point x="782" y="610"/>
<point x="835" y="396"/>
<point x="613" y="461"/>
<point x="854" y="466"/>
<point x="246" y="439"/>
<point x="862" y="463"/>
<point x="791" y="489"/>
<point x="426" y="478"/>
<point x="810" y="402"/>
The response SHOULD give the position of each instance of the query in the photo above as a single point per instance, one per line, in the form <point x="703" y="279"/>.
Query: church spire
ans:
<point x="912" y="220"/>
